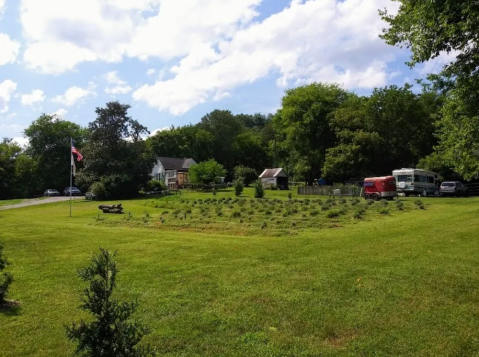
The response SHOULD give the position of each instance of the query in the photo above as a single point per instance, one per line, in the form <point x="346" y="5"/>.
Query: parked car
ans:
<point x="453" y="188"/>
<point x="90" y="196"/>
<point x="74" y="191"/>
<point x="51" y="193"/>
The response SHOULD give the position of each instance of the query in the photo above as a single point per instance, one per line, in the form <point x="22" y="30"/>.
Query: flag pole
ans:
<point x="71" y="173"/>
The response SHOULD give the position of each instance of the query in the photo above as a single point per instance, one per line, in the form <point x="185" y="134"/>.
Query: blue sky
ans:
<point x="174" y="61"/>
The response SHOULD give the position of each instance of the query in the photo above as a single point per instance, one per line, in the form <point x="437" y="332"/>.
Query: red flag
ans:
<point x="75" y="151"/>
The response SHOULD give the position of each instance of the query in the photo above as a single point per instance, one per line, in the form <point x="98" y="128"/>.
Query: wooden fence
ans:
<point x="339" y="190"/>
<point x="473" y="189"/>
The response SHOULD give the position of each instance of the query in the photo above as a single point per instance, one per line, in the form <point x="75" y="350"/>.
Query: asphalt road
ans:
<point x="39" y="201"/>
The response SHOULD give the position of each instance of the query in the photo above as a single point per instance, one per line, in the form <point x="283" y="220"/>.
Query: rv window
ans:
<point x="424" y="179"/>
<point x="404" y="178"/>
<point x="417" y="178"/>
<point x="430" y="179"/>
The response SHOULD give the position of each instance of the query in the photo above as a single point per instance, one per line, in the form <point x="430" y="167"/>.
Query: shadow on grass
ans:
<point x="10" y="308"/>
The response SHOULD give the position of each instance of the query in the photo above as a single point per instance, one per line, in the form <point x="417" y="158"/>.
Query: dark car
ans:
<point x="74" y="191"/>
<point x="453" y="188"/>
<point x="51" y="193"/>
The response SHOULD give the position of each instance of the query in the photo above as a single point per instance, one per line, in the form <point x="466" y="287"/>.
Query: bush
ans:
<point x="98" y="188"/>
<point x="238" y="186"/>
<point x="333" y="214"/>
<point x="110" y="332"/>
<point x="290" y="196"/>
<point x="359" y="213"/>
<point x="154" y="185"/>
<point x="384" y="203"/>
<point x="273" y="187"/>
<point x="384" y="211"/>
<point x="370" y="202"/>
<point x="313" y="213"/>
<point x="258" y="189"/>
<point x="236" y="214"/>
<point x="246" y="174"/>
<point x="5" y="278"/>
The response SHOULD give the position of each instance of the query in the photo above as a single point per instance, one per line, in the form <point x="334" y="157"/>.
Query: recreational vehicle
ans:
<point x="416" y="182"/>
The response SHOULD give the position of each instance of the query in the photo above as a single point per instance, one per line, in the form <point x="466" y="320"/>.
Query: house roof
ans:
<point x="171" y="163"/>
<point x="270" y="173"/>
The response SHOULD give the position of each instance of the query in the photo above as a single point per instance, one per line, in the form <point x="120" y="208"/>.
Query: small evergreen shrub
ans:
<point x="6" y="279"/>
<point x="110" y="331"/>
<point x="258" y="189"/>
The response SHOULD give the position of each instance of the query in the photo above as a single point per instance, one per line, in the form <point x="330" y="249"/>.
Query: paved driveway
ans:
<point x="39" y="201"/>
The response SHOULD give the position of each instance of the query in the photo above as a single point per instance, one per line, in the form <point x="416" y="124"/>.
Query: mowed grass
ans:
<point x="402" y="284"/>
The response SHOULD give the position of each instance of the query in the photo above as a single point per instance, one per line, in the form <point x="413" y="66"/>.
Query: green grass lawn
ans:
<point x="404" y="283"/>
<point x="9" y="202"/>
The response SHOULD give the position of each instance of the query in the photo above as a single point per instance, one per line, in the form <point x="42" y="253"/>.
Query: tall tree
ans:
<point x="430" y="29"/>
<point x="49" y="138"/>
<point x="304" y="124"/>
<point x="115" y="154"/>
<point x="9" y="150"/>
<point x="392" y="128"/>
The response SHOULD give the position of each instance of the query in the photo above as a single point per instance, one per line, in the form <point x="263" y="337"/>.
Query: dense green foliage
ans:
<point x="49" y="146"/>
<point x="114" y="153"/>
<point x="247" y="174"/>
<point x="231" y="140"/>
<point x="430" y="29"/>
<point x="6" y="278"/>
<point x="303" y="124"/>
<point x="392" y="128"/>
<point x="9" y="152"/>
<point x="206" y="172"/>
<point x="111" y="332"/>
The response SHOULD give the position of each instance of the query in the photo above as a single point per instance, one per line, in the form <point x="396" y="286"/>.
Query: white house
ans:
<point x="275" y="177"/>
<point x="172" y="171"/>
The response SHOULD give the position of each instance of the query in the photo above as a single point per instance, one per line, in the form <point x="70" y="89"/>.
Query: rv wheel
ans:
<point x="424" y="193"/>
<point x="375" y="197"/>
<point x="367" y="197"/>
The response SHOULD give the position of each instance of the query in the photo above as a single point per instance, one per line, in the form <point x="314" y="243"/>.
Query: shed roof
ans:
<point x="171" y="163"/>
<point x="270" y="173"/>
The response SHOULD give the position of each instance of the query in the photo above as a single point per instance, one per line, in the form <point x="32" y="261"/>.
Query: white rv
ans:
<point x="416" y="182"/>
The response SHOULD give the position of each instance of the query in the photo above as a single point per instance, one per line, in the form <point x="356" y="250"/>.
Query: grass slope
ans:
<point x="405" y="284"/>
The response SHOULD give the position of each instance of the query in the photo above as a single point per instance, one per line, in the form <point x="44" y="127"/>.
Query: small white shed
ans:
<point x="275" y="177"/>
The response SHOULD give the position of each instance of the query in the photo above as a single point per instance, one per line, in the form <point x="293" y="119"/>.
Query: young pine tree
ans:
<point x="111" y="332"/>
<point x="238" y="186"/>
<point x="258" y="189"/>
<point x="5" y="278"/>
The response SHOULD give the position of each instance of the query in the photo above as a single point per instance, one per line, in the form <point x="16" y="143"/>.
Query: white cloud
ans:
<point x="150" y="72"/>
<point x="325" y="40"/>
<point x="156" y="131"/>
<point x="74" y="94"/>
<point x="21" y="141"/>
<point x="216" y="45"/>
<point x="7" y="87"/>
<point x="120" y="87"/>
<point x="61" y="34"/>
<point x="2" y="5"/>
<point x="437" y="64"/>
<point x="9" y="48"/>
<point x="60" y="113"/>
<point x="36" y="96"/>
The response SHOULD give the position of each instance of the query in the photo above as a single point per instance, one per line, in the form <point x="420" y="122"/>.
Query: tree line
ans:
<point x="320" y="131"/>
